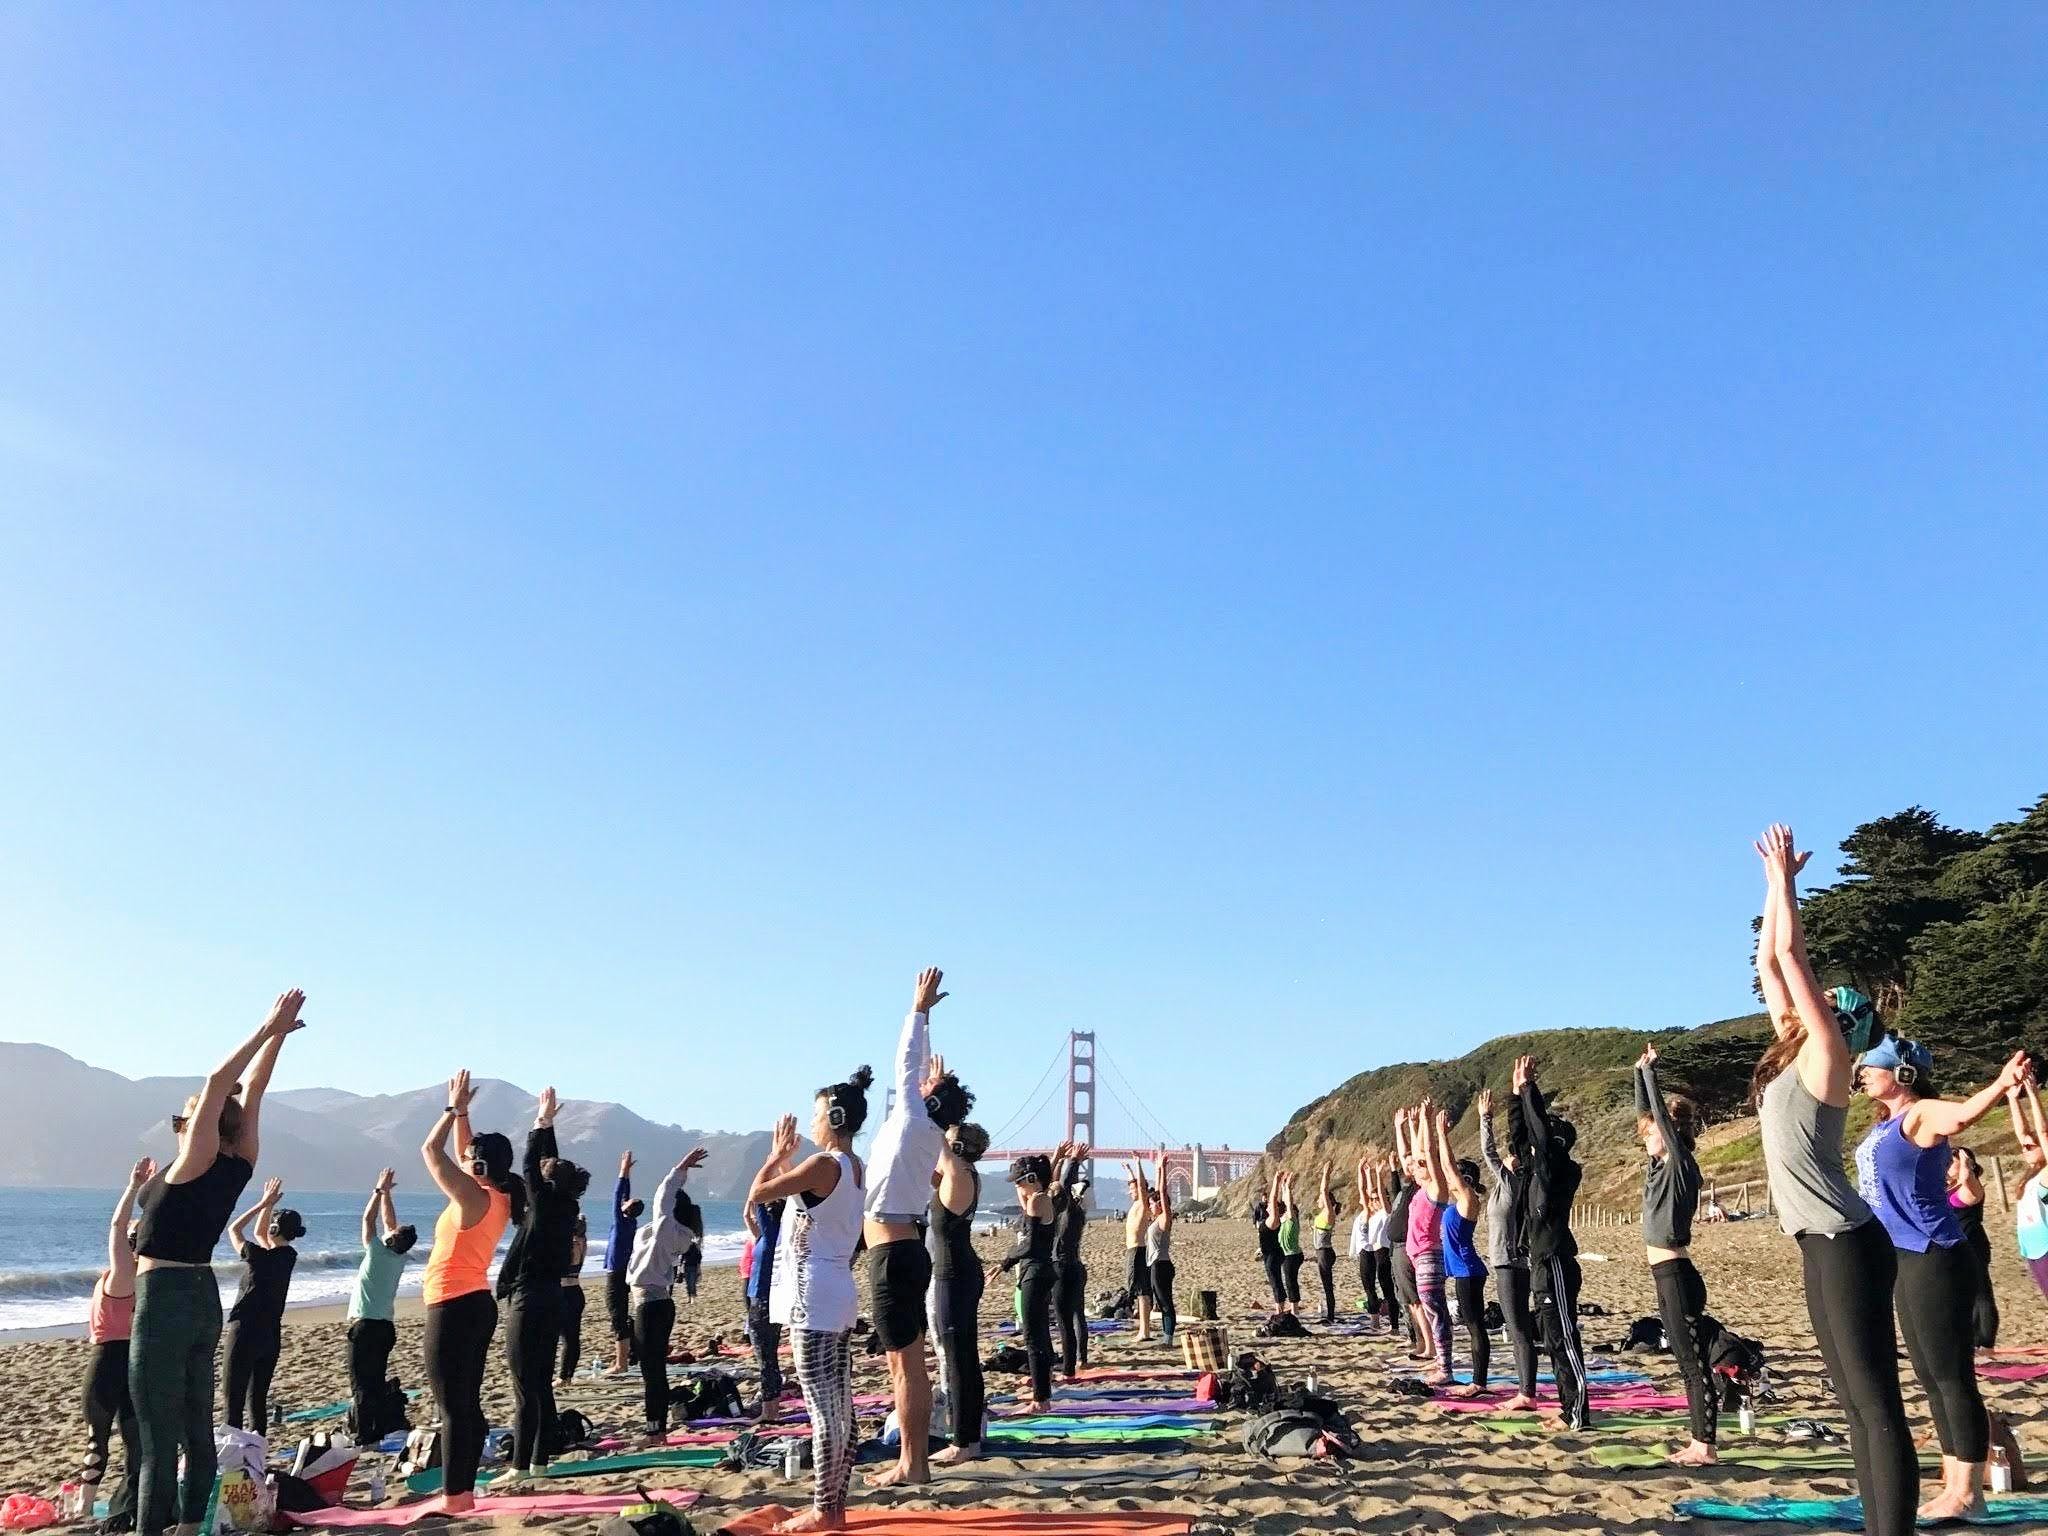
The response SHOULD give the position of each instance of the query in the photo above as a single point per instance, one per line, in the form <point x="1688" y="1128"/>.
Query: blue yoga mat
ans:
<point x="1847" y="1514"/>
<point x="1054" y="1424"/>
<point x="1095" y="1325"/>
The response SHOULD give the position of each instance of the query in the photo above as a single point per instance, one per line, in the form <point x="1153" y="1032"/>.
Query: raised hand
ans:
<point x="386" y="1180"/>
<point x="783" y="1146"/>
<point x="934" y="1074"/>
<point x="696" y="1155"/>
<point x="1525" y="1072"/>
<point x="284" y="1013"/>
<point x="2015" y="1072"/>
<point x="459" y="1091"/>
<point x="1649" y="1056"/>
<point x="625" y="1164"/>
<point x="928" y="995"/>
<point x="143" y="1171"/>
<point x="1486" y="1103"/>
<point x="273" y="1191"/>
<point x="544" y="1112"/>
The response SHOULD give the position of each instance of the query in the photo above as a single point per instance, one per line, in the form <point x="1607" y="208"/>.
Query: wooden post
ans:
<point x="1998" y="1178"/>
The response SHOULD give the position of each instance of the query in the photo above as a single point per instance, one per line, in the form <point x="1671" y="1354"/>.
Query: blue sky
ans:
<point x="597" y="541"/>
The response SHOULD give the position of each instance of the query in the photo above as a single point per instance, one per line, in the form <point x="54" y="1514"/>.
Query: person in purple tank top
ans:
<point x="1902" y="1172"/>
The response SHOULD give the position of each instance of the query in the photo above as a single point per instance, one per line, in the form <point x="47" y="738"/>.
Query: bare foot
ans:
<point x="1038" y="1407"/>
<point x="1953" y="1504"/>
<point x="1695" y="1454"/>
<point x="1470" y="1389"/>
<point x="895" y="1475"/>
<point x="954" y="1455"/>
<point x="1436" y="1379"/>
<point x="1553" y="1421"/>
<point x="1519" y="1403"/>
<point x="811" y="1520"/>
<point x="454" y="1504"/>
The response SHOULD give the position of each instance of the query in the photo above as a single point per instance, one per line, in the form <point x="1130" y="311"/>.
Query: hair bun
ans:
<point x="863" y="1078"/>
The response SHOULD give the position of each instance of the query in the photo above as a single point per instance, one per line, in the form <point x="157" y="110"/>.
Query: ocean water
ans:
<point x="53" y="1245"/>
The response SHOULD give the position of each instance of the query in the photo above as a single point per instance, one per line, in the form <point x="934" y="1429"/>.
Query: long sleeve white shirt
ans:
<point x="905" y="1153"/>
<point x="659" y="1245"/>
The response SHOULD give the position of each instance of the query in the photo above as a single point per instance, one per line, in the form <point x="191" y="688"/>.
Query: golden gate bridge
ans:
<point x="1193" y="1171"/>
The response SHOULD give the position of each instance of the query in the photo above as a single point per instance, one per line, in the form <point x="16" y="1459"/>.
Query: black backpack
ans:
<point x="1288" y="1434"/>
<point x="714" y="1395"/>
<point x="385" y="1411"/>
<point x="569" y="1430"/>
<point x="650" y="1517"/>
<point x="1646" y="1333"/>
<point x="1281" y="1325"/>
<point x="1008" y="1359"/>
<point x="1250" y="1387"/>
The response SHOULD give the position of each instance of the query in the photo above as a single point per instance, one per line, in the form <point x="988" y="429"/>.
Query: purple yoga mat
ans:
<point x="1074" y="1408"/>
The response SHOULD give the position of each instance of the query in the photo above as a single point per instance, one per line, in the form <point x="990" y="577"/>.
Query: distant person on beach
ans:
<point x="1267" y="1225"/>
<point x="1286" y="1221"/>
<point x="372" y="1309"/>
<point x="1902" y="1171"/>
<point x="618" y="1251"/>
<point x="764" y="1227"/>
<point x="255" y="1329"/>
<point x="651" y="1273"/>
<point x="1507" y="1249"/>
<point x="1328" y="1210"/>
<point x="107" y="1402"/>
<point x="1071" y="1181"/>
<point x="176" y="1332"/>
<point x="483" y="1199"/>
<point x="1137" y="1272"/>
<point x="1360" y="1246"/>
<point x="1464" y="1269"/>
<point x="570" y="1319"/>
<point x="1966" y="1193"/>
<point x="1407" y="1304"/>
<point x="530" y="1286"/>
<point x="957" y="1280"/>
<point x="901" y="1162"/>
<point x="1425" y="1240"/>
<point x="1032" y="1259"/>
<point x="814" y="1295"/>
<point x="1159" y="1251"/>
<point x="2030" y="1205"/>
<point x="1546" y="1141"/>
<point x="1801" y="1091"/>
<point x="1668" y="1126"/>
<point x="692" y="1217"/>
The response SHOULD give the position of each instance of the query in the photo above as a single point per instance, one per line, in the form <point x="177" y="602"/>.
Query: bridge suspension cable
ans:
<point x="1157" y="1126"/>
<point x="1025" y="1116"/>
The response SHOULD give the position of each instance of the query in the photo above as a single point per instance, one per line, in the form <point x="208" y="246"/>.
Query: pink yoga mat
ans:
<point x="1073" y="1408"/>
<point x="2012" y="1372"/>
<point x="487" y="1505"/>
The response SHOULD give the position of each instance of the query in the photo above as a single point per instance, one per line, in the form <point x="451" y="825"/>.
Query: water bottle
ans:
<point x="1311" y="1379"/>
<point x="2001" y="1471"/>
<point x="1745" y="1414"/>
<point x="377" y="1486"/>
<point x="792" y="1459"/>
<point x="71" y="1501"/>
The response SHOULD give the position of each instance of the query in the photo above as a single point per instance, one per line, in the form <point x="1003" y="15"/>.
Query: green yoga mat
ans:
<point x="1796" y="1456"/>
<point x="1001" y="1431"/>
<point x="1621" y="1423"/>
<point x="1847" y="1514"/>
<point x="632" y="1461"/>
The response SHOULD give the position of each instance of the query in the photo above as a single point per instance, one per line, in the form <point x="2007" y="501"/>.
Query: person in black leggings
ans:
<point x="1070" y="1275"/>
<point x="571" y="1318"/>
<point x="107" y="1403"/>
<point x="255" y="1331"/>
<point x="184" y="1208"/>
<point x="483" y="1199"/>
<point x="1032" y="1259"/>
<point x="1801" y="1091"/>
<point x="1407" y="1298"/>
<point x="530" y="1286"/>
<point x="1671" y="1193"/>
<point x="1269" y="1251"/>
<point x="1966" y="1194"/>
<point x="1159" y="1251"/>
<point x="1328" y="1211"/>
<point x="957" y="1284"/>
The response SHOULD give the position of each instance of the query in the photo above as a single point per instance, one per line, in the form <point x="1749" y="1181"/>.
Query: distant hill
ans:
<point x="80" y="1126"/>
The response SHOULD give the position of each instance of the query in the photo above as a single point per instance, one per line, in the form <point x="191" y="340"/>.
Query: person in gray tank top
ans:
<point x="1801" y="1090"/>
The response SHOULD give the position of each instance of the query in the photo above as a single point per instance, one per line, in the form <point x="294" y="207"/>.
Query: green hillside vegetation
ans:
<point x="1946" y="928"/>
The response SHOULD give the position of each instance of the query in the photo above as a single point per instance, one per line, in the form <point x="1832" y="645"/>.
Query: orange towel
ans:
<point x="980" y="1522"/>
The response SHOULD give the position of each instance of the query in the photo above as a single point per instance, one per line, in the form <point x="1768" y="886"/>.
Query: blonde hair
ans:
<point x="1778" y="1055"/>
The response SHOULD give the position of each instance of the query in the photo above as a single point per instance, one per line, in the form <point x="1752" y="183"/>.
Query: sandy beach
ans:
<point x="1424" y="1468"/>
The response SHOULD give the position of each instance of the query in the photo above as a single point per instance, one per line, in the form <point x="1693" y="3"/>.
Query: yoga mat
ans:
<point x="429" y="1481"/>
<point x="1071" y="1408"/>
<point x="1067" y="1477"/>
<point x="487" y="1506"/>
<point x="339" y="1409"/>
<point x="1616" y="1423"/>
<point x="1595" y="1378"/>
<point x="1111" y="1373"/>
<point x="1847" y="1514"/>
<point x="1633" y="1402"/>
<point x="1781" y="1456"/>
<point x="1109" y="1424"/>
<point x="2012" y="1372"/>
<point x="980" y="1522"/>
<point x="1095" y="1325"/>
<point x="1127" y="1435"/>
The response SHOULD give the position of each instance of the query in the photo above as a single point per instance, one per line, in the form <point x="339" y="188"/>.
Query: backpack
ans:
<point x="1494" y="1318"/>
<point x="714" y="1395"/>
<point x="1007" y="1359"/>
<point x="650" y="1517"/>
<point x="1298" y="1399"/>
<point x="1293" y="1433"/>
<point x="1281" y="1325"/>
<point x="1250" y="1386"/>
<point x="1646" y="1333"/>
<point x="569" y="1430"/>
<point x="1739" y="1362"/>
<point x="422" y="1452"/>
<point x="384" y="1411"/>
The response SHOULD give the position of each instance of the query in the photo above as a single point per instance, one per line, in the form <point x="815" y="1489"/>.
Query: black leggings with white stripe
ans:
<point x="824" y="1369"/>
<point x="1554" y="1290"/>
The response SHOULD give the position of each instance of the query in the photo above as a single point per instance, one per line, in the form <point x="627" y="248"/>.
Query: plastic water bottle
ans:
<point x="71" y="1501"/>
<point x="2001" y="1471"/>
<point x="1311" y="1379"/>
<point x="377" y="1486"/>
<point x="1745" y="1414"/>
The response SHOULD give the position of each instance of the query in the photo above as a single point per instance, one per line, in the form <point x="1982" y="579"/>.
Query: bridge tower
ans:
<point x="1081" y="1086"/>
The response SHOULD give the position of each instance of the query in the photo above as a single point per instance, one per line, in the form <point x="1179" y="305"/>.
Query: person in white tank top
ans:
<point x="812" y="1292"/>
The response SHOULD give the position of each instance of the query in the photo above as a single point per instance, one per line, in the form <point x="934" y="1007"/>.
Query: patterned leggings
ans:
<point x="1436" y="1310"/>
<point x="824" y="1369"/>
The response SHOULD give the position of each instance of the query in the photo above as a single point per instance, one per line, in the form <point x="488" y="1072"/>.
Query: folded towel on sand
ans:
<point x="488" y="1507"/>
<point x="1847" y="1514"/>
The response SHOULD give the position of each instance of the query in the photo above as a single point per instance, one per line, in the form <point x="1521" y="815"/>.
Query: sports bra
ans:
<point x="182" y="1223"/>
